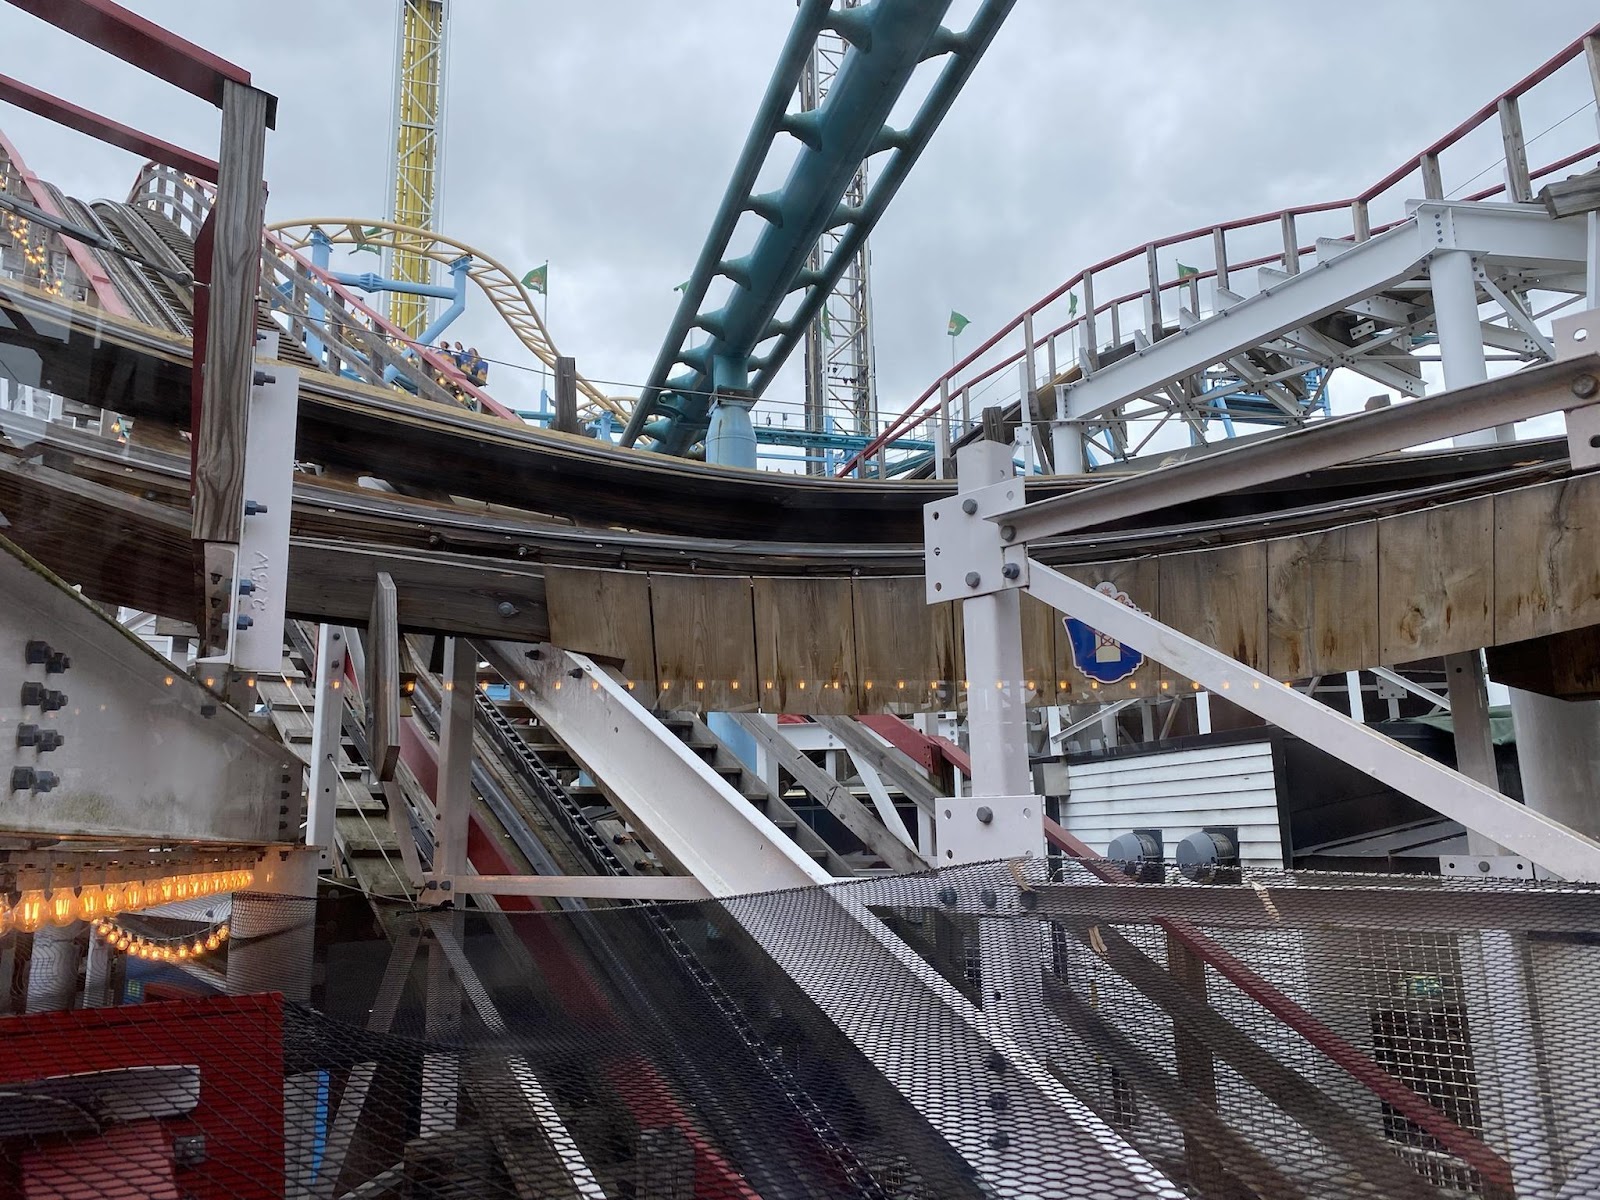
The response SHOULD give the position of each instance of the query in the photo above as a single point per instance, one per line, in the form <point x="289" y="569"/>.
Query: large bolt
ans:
<point x="1011" y="571"/>
<point x="973" y="579"/>
<point x="947" y="897"/>
<point x="988" y="898"/>
<point x="58" y="664"/>
<point x="53" y="701"/>
<point x="1585" y="387"/>
<point x="969" y="506"/>
<point x="985" y="814"/>
<point x="36" y="653"/>
<point x="1008" y="533"/>
<point x="33" y="694"/>
<point x="506" y="609"/>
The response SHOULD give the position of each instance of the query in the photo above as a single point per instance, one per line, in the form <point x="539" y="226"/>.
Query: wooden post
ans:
<point x="1153" y="268"/>
<point x="1197" y="1069"/>
<point x="1219" y="249"/>
<point x="1519" y="187"/>
<point x="566" y="395"/>
<point x="1360" y="220"/>
<point x="231" y="320"/>
<point x="1432" y="177"/>
<point x="1090" y="339"/>
<point x="1291" y="244"/>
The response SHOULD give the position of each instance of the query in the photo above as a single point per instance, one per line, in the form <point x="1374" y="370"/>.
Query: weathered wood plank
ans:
<point x="606" y="615"/>
<point x="1546" y="559"/>
<point x="1435" y="581"/>
<point x="1220" y="597"/>
<point x="381" y="686"/>
<point x="1569" y="197"/>
<point x="1564" y="665"/>
<point x="231" y="318"/>
<point x="1322" y="602"/>
<point x="805" y="645"/>
<point x="705" y="643"/>
<point x="904" y="646"/>
<point x="1140" y="579"/>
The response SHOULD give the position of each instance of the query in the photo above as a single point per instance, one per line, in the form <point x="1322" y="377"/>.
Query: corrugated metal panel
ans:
<point x="1179" y="793"/>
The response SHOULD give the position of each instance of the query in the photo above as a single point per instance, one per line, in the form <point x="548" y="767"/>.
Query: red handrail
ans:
<point x="917" y="411"/>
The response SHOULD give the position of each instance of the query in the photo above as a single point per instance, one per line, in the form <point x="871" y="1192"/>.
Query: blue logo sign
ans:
<point x="1101" y="658"/>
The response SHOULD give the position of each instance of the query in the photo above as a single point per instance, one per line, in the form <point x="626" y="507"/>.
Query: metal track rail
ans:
<point x="543" y="783"/>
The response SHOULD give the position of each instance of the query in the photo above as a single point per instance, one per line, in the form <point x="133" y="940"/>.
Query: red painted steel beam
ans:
<point x="1463" y="1143"/>
<point x="145" y="45"/>
<point x="114" y="133"/>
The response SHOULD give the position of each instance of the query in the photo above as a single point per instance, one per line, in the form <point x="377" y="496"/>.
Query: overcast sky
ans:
<point x="600" y="136"/>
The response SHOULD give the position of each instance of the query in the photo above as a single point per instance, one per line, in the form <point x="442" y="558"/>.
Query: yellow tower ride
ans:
<point x="419" y="132"/>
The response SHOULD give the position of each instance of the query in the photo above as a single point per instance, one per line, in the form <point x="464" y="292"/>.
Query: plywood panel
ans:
<point x="705" y="643"/>
<point x="1220" y="597"/>
<point x="1435" y="581"/>
<point x="1547" y="558"/>
<point x="1322" y="602"/>
<point x="606" y="615"/>
<point x="1138" y="577"/>
<point x="904" y="646"/>
<point x="805" y="645"/>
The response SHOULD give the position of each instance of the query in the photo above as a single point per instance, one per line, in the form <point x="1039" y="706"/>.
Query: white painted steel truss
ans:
<point x="977" y="550"/>
<point x="1365" y="306"/>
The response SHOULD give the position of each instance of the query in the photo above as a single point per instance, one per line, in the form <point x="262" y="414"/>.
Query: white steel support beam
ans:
<point x="322" y="801"/>
<point x="586" y="887"/>
<point x="1532" y="835"/>
<point x="1364" y="270"/>
<point x="1002" y="818"/>
<point x="454" y="796"/>
<point x="692" y="816"/>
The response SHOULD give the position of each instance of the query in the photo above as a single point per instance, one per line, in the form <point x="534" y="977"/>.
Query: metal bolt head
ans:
<point x="985" y="814"/>
<point x="999" y="1141"/>
<point x="1008" y="533"/>
<point x="947" y="897"/>
<point x="1585" y="387"/>
<point x="1483" y="865"/>
<point x="999" y="1101"/>
<point x="1011" y="570"/>
<point x="973" y="579"/>
<point x="506" y="609"/>
<point x="988" y="898"/>
<point x="969" y="506"/>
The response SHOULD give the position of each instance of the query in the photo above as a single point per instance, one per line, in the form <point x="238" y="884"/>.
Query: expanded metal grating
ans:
<point x="980" y="1031"/>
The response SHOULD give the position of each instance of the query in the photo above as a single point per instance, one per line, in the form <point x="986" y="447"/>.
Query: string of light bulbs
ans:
<point x="182" y="949"/>
<point x="37" y="905"/>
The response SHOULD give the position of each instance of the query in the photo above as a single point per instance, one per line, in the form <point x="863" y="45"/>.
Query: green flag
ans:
<point x="957" y="324"/>
<point x="1185" y="272"/>
<point x="1072" y="305"/>
<point x="682" y="287"/>
<point x="538" y="280"/>
<point x="827" y="329"/>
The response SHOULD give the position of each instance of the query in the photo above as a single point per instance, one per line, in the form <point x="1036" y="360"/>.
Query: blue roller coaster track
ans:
<point x="745" y="341"/>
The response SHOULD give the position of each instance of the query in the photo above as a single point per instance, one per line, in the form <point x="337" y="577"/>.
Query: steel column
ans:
<point x="322" y="799"/>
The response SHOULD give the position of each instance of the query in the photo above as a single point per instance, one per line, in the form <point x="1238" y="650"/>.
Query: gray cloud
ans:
<point x="600" y="136"/>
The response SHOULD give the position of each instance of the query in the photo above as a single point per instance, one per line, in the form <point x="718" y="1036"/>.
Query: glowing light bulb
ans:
<point x="182" y="888"/>
<point x="222" y="931"/>
<point x="111" y="899"/>
<point x="198" y="948"/>
<point x="164" y="891"/>
<point x="92" y="902"/>
<point x="63" y="907"/>
<point x="29" y="913"/>
<point x="133" y="896"/>
<point x="183" y="951"/>
<point x="122" y="941"/>
<point x="213" y="942"/>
